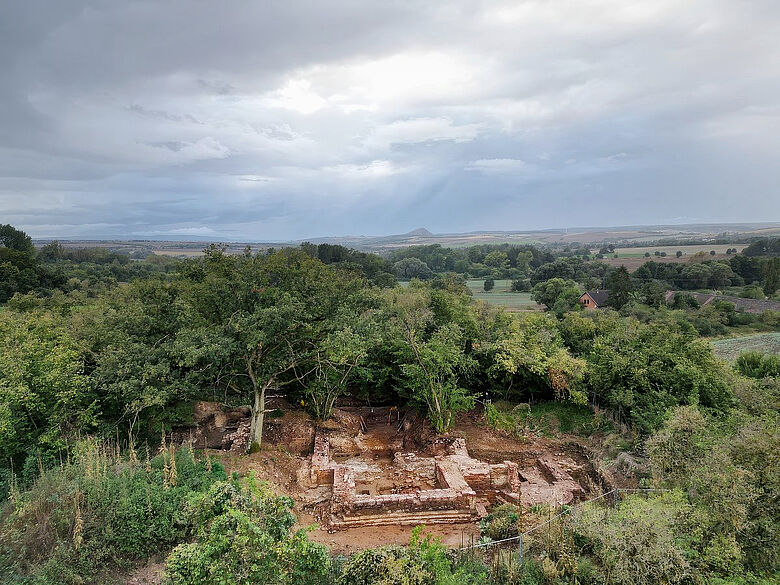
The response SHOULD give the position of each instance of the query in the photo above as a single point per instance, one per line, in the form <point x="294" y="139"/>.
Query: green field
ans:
<point x="729" y="349"/>
<point x="672" y="250"/>
<point x="502" y="295"/>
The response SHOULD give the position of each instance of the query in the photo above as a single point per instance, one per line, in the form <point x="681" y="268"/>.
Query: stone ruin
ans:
<point x="216" y="428"/>
<point x="448" y="487"/>
<point x="374" y="467"/>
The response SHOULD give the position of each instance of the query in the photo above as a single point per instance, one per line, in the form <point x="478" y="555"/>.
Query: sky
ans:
<point x="279" y="120"/>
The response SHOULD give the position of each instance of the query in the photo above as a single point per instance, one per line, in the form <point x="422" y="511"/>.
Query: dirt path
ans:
<point x="148" y="574"/>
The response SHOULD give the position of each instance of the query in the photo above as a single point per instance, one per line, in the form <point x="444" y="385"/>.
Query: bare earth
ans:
<point x="284" y="472"/>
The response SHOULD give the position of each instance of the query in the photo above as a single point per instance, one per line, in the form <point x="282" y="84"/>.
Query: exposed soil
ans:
<point x="347" y="542"/>
<point x="368" y="442"/>
<point x="149" y="574"/>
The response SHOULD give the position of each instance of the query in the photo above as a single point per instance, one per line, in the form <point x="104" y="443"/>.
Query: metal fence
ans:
<point x="565" y="517"/>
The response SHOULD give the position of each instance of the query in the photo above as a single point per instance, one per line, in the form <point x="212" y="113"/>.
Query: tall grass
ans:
<point x="98" y="512"/>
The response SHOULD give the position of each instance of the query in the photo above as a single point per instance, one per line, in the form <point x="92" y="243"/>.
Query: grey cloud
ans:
<point x="277" y="120"/>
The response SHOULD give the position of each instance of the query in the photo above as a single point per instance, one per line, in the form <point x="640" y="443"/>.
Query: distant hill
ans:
<point x="626" y="235"/>
<point x="590" y="236"/>
<point x="419" y="232"/>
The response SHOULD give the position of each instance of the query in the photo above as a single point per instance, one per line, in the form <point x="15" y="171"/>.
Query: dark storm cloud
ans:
<point x="278" y="120"/>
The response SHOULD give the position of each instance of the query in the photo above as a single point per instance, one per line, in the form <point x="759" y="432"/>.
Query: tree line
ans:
<point x="232" y="328"/>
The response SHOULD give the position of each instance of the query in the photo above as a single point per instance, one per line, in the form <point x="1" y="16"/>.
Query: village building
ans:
<point x="594" y="299"/>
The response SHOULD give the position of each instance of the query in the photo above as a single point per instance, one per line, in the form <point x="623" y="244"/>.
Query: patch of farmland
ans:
<point x="688" y="250"/>
<point x="729" y="349"/>
<point x="179" y="253"/>
<point x="502" y="295"/>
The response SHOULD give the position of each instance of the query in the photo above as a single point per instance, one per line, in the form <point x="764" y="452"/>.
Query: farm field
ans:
<point x="634" y="262"/>
<point x="502" y="295"/>
<point x="179" y="253"/>
<point x="672" y="250"/>
<point x="729" y="349"/>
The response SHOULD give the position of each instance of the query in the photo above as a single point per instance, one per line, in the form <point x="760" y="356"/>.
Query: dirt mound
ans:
<point x="294" y="431"/>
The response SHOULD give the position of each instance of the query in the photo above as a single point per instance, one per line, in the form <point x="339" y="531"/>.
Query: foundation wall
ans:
<point x="458" y="479"/>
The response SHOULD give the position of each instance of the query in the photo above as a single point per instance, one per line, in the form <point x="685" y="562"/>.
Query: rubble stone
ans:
<point x="448" y="486"/>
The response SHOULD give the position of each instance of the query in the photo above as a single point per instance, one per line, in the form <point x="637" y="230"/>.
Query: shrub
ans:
<point x="521" y="285"/>
<point x="243" y="535"/>
<point x="423" y="562"/>
<point x="639" y="543"/>
<point x="752" y="291"/>
<point x="757" y="365"/>
<point x="684" y="301"/>
<point x="84" y="519"/>
<point x="502" y="522"/>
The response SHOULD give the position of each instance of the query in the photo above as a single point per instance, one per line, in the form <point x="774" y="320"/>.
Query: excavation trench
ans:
<point x="368" y="475"/>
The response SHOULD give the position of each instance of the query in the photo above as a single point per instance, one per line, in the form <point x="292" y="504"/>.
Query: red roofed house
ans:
<point x="594" y="299"/>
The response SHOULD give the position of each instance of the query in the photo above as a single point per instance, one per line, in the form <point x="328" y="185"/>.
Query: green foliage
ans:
<point x="423" y="562"/>
<point x="409" y="268"/>
<point x="557" y="294"/>
<point x="642" y="371"/>
<point x="545" y="418"/>
<point x="729" y="469"/>
<point x="334" y="360"/>
<point x="433" y="373"/>
<point x="531" y="353"/>
<point x="81" y="520"/>
<point x="44" y="392"/>
<point x="521" y="285"/>
<point x="653" y="293"/>
<point x="496" y="259"/>
<point x="763" y="247"/>
<point x="15" y="239"/>
<point x="676" y="450"/>
<point x="640" y="542"/>
<point x="771" y="281"/>
<point x="489" y="284"/>
<point x="502" y="522"/>
<point x="758" y="365"/>
<point x="620" y="288"/>
<point x="243" y="535"/>
<point x="752" y="292"/>
<point x="20" y="271"/>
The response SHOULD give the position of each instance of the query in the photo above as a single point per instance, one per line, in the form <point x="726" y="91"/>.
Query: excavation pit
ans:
<point x="441" y="484"/>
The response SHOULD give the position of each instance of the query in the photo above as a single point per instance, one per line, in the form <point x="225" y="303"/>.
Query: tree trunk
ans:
<point x="258" y="415"/>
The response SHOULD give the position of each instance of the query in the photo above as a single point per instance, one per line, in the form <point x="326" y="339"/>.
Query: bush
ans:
<point x="82" y="520"/>
<point x="243" y="535"/>
<point x="423" y="562"/>
<point x="752" y="291"/>
<point x="588" y="573"/>
<point x="521" y="285"/>
<point x="757" y="365"/>
<point x="684" y="301"/>
<point x="639" y="543"/>
<point x="502" y="522"/>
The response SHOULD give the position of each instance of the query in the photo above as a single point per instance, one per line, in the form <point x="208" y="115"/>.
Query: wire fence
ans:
<point x="569" y="514"/>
